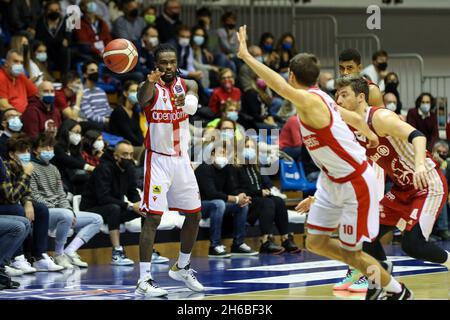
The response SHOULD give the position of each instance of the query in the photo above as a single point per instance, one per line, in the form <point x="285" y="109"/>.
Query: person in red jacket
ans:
<point x="290" y="138"/>
<point x="226" y="91"/>
<point x="94" y="33"/>
<point x="41" y="115"/>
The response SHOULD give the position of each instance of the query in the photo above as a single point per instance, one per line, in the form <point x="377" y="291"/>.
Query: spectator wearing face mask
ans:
<point x="246" y="75"/>
<point x="41" y="114"/>
<point x="74" y="169"/>
<point x="12" y="126"/>
<point x="423" y="117"/>
<point x="201" y="63"/>
<point x="47" y="188"/>
<point x="93" y="147"/>
<point x="228" y="43"/>
<point x="149" y="15"/>
<point x="230" y="113"/>
<point x="391" y="83"/>
<point x="168" y="21"/>
<point x="15" y="87"/>
<point x="21" y="43"/>
<point x="227" y="90"/>
<point x="130" y="25"/>
<point x="125" y="118"/>
<point x="68" y="98"/>
<point x="51" y="30"/>
<point x="377" y="70"/>
<point x="146" y="48"/>
<point x="204" y="21"/>
<point x="38" y="64"/>
<point x="286" y="50"/>
<point x="391" y="103"/>
<point x="290" y="138"/>
<point x="267" y="45"/>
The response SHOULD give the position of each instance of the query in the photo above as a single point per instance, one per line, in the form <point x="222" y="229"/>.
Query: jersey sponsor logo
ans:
<point x="402" y="174"/>
<point x="156" y="189"/>
<point x="311" y="142"/>
<point x="383" y="150"/>
<point x="168" y="116"/>
<point x="390" y="196"/>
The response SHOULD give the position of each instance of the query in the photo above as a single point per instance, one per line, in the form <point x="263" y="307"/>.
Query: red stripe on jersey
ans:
<point x="312" y="226"/>
<point x="151" y="105"/>
<point x="186" y="211"/>
<point x="148" y="176"/>
<point x="363" y="197"/>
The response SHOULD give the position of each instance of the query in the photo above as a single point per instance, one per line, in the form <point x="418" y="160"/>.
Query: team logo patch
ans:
<point x="155" y="198"/>
<point x="156" y="189"/>
<point x="165" y="100"/>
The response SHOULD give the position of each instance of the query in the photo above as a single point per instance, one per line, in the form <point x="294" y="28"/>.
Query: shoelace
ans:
<point x="152" y="283"/>
<point x="348" y="275"/>
<point x="361" y="280"/>
<point x="190" y="272"/>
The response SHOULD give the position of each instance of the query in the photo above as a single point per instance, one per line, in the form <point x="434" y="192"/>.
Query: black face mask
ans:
<point x="443" y="155"/>
<point x="93" y="76"/>
<point x="133" y="13"/>
<point x="391" y="87"/>
<point x="231" y="26"/>
<point x="126" y="164"/>
<point x="175" y="16"/>
<point x="54" y="15"/>
<point x="382" y="66"/>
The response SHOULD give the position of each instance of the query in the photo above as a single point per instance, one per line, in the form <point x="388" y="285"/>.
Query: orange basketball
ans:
<point x="120" y="55"/>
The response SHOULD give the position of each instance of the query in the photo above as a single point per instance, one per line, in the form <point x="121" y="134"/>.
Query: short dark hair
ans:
<point x="124" y="141"/>
<point x="306" y="69"/>
<point x="356" y="82"/>
<point x="150" y="26"/>
<point x="419" y="99"/>
<point x="350" y="55"/>
<point x="379" y="53"/>
<point x="228" y="14"/>
<point x="164" y="47"/>
<point x="44" y="139"/>
<point x="203" y="12"/>
<point x="49" y="3"/>
<point x="264" y="36"/>
<point x="69" y="77"/>
<point x="183" y="28"/>
<point x="86" y="64"/>
<point x="19" y="143"/>
<point x="88" y="140"/>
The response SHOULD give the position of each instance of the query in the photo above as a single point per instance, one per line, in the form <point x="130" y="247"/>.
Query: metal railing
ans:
<point x="365" y="43"/>
<point x="439" y="87"/>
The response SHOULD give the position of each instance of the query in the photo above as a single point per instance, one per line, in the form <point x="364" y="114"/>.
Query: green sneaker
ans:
<point x="360" y="285"/>
<point x="352" y="276"/>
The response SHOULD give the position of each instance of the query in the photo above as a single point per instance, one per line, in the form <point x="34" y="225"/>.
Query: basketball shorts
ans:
<point x="169" y="184"/>
<point x="350" y="206"/>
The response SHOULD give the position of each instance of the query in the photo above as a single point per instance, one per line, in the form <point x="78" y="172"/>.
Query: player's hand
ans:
<point x="242" y="38"/>
<point x="304" y="205"/>
<point x="372" y="141"/>
<point x="154" y="76"/>
<point x="420" y="177"/>
<point x="179" y="100"/>
<point x="137" y="210"/>
<point x="265" y="192"/>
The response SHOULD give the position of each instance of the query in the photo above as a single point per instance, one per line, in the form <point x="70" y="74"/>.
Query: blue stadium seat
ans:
<point x="2" y="62"/>
<point x="308" y="187"/>
<point x="289" y="176"/>
<point x="107" y="87"/>
<point x="111" y="139"/>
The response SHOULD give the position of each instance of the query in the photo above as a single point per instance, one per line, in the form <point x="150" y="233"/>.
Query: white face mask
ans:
<point x="425" y="107"/>
<point x="391" y="106"/>
<point x="153" y="41"/>
<point x="74" y="138"/>
<point x="221" y="162"/>
<point x="184" y="42"/>
<point x="98" y="145"/>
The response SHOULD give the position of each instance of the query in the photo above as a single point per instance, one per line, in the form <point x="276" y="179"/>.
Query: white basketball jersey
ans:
<point x="168" y="126"/>
<point x="334" y="148"/>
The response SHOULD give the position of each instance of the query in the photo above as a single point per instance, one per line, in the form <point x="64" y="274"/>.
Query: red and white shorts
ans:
<point x="169" y="183"/>
<point x="352" y="206"/>
<point x="404" y="209"/>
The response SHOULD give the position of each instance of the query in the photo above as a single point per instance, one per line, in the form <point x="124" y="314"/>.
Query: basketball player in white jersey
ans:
<point x="420" y="189"/>
<point x="169" y="181"/>
<point x="346" y="196"/>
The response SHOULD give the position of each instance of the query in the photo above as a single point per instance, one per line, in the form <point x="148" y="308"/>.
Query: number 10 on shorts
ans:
<point x="347" y="229"/>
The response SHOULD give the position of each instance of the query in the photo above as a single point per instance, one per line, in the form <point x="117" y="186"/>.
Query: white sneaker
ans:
<point x="187" y="276"/>
<point x="148" y="288"/>
<point x="22" y="264"/>
<point x="63" y="261"/>
<point x="76" y="260"/>
<point x="119" y="259"/>
<point x="13" y="272"/>
<point x="158" y="258"/>
<point x="47" y="264"/>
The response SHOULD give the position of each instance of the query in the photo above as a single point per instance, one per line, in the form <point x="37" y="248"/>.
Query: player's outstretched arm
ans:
<point x="301" y="98"/>
<point x="387" y="123"/>
<point x="146" y="90"/>
<point x="356" y="121"/>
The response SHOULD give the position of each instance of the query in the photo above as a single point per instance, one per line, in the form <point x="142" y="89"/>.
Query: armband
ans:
<point x="416" y="133"/>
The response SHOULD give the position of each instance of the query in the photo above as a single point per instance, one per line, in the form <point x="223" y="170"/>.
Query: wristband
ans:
<point x="237" y="200"/>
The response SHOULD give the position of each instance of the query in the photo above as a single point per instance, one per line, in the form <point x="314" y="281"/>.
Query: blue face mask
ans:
<point x="199" y="40"/>
<point x="91" y="7"/>
<point x="46" y="155"/>
<point x="132" y="97"/>
<point x="249" y="154"/>
<point x="227" y="134"/>
<point x="48" y="99"/>
<point x="25" y="158"/>
<point x="41" y="56"/>
<point x="442" y="121"/>
<point x="15" y="124"/>
<point x="17" y="69"/>
<point x="232" y="115"/>
<point x="268" y="47"/>
<point x="287" y="46"/>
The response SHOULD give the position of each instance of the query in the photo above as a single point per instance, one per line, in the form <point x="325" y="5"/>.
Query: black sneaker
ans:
<point x="290" y="245"/>
<point x="6" y="282"/>
<point x="242" y="250"/>
<point x="374" y="291"/>
<point x="218" y="252"/>
<point x="405" y="294"/>
<point x="444" y="235"/>
<point x="271" y="247"/>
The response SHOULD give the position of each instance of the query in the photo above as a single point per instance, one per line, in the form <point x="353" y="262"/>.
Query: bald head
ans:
<point x="46" y="87"/>
<point x="255" y="51"/>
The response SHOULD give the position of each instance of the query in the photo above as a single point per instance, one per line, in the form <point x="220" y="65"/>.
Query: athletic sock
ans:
<point x="183" y="260"/>
<point x="119" y="248"/>
<point x="74" y="245"/>
<point x="145" y="270"/>
<point x="393" y="286"/>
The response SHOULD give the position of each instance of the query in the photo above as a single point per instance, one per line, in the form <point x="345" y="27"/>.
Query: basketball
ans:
<point x="120" y="55"/>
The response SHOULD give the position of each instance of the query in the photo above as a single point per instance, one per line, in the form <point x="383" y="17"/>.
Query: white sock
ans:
<point x="74" y="245"/>
<point x="145" y="270"/>
<point x="447" y="262"/>
<point x="119" y="248"/>
<point x="183" y="260"/>
<point x="59" y="249"/>
<point x="393" y="286"/>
